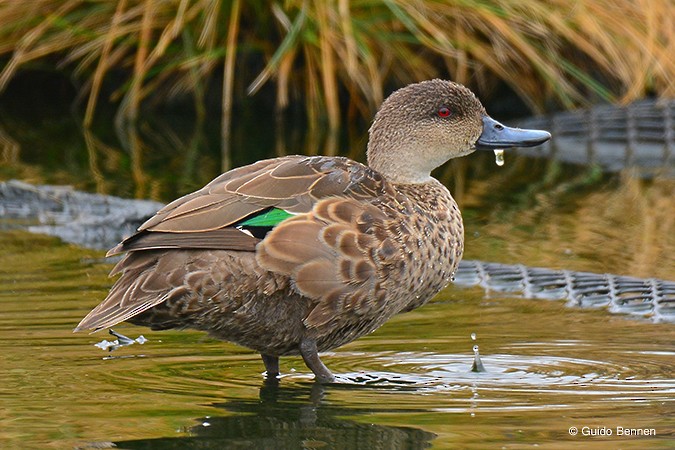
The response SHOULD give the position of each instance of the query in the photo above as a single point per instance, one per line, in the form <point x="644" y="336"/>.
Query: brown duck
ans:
<point x="298" y="255"/>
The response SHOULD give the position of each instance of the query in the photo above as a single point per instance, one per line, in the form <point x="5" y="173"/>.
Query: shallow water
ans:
<point x="408" y="385"/>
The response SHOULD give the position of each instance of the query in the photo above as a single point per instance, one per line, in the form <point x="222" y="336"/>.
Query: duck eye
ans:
<point x="444" y="111"/>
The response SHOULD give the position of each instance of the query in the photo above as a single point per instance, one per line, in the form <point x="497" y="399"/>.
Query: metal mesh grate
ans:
<point x="640" y="135"/>
<point x="651" y="297"/>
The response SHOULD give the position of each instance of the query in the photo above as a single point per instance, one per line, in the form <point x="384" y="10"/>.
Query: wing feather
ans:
<point x="292" y="183"/>
<point x="332" y="266"/>
<point x="321" y="249"/>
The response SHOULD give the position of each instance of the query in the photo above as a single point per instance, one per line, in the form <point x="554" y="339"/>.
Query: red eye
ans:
<point x="443" y="111"/>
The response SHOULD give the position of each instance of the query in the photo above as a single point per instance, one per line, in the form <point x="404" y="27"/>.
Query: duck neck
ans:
<point x="399" y="165"/>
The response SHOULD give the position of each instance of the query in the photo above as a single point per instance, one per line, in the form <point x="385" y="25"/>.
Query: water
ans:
<point x="547" y="367"/>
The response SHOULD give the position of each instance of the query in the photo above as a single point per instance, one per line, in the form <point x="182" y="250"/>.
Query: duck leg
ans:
<point x="310" y="355"/>
<point x="271" y="365"/>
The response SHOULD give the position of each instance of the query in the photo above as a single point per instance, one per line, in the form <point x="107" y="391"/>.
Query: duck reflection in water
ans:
<point x="289" y="418"/>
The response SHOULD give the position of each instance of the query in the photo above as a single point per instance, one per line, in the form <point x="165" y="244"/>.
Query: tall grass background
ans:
<point x="339" y="57"/>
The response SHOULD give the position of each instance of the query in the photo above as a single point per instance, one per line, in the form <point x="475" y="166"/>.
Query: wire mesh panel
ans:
<point x="651" y="297"/>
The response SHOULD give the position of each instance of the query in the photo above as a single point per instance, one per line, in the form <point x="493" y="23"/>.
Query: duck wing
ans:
<point x="330" y="244"/>
<point x="343" y="254"/>
<point x="209" y="217"/>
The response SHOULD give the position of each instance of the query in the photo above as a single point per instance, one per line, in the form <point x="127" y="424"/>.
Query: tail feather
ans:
<point x="130" y="295"/>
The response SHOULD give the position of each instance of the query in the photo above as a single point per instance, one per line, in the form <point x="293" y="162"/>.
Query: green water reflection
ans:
<point x="408" y="385"/>
<point x="532" y="211"/>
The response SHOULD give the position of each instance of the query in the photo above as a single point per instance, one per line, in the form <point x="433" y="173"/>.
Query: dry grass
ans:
<point x="316" y="51"/>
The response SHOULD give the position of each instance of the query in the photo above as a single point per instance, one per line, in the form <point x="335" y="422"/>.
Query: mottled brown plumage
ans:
<point x="364" y="243"/>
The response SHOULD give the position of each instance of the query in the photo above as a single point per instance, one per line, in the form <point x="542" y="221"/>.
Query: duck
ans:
<point x="299" y="255"/>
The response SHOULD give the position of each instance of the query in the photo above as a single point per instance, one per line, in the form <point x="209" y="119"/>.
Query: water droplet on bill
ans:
<point x="499" y="157"/>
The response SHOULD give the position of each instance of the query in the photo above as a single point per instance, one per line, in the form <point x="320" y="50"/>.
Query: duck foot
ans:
<point x="271" y="365"/>
<point x="310" y="355"/>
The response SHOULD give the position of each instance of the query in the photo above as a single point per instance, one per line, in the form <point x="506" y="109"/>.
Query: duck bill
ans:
<point x="496" y="136"/>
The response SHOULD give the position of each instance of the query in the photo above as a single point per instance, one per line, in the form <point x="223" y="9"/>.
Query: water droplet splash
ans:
<point x="499" y="157"/>
<point x="477" y="365"/>
<point x="121" y="341"/>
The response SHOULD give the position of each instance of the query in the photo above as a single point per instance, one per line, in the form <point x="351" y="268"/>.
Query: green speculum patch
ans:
<point x="267" y="218"/>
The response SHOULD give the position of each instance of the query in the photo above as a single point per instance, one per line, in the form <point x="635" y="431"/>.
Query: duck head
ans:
<point x="423" y="125"/>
